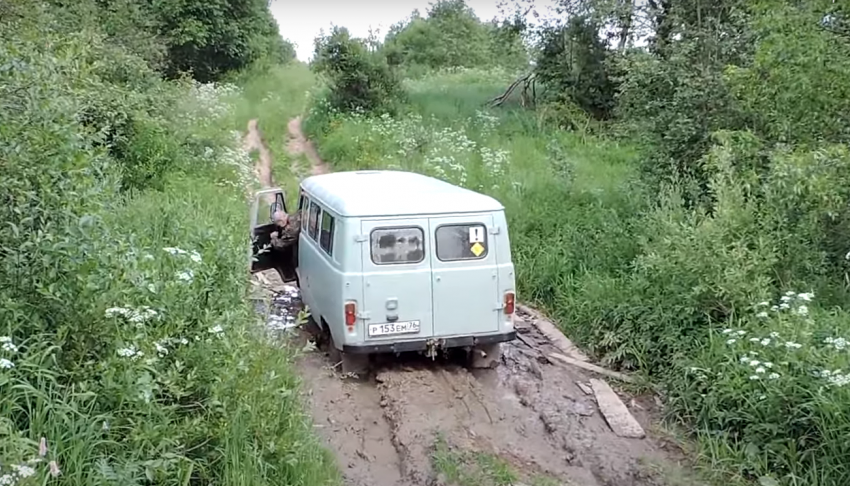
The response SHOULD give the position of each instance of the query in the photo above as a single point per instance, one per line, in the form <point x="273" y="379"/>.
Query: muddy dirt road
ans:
<point x="530" y="412"/>
<point x="537" y="415"/>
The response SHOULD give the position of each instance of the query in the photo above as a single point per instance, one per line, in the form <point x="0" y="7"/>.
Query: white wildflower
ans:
<point x="768" y="365"/>
<point x="764" y="342"/>
<point x="784" y="306"/>
<point x="754" y="340"/>
<point x="161" y="350"/>
<point x="23" y="471"/>
<point x="53" y="467"/>
<point x="774" y="335"/>
<point x="762" y="315"/>
<point x="745" y="359"/>
<point x="130" y="352"/>
<point x="731" y="341"/>
<point x="773" y="376"/>
<point x="186" y="275"/>
<point x="5" y="339"/>
<point x="217" y="329"/>
<point x="6" y="364"/>
<point x="763" y="304"/>
<point x="806" y="296"/>
<point x="9" y="348"/>
<point x="741" y="332"/>
<point x="793" y="345"/>
<point x="727" y="331"/>
<point x="755" y="377"/>
<point x="790" y="293"/>
<point x="803" y="310"/>
<point x="117" y="311"/>
<point x="7" y="480"/>
<point x="184" y="341"/>
<point x="760" y="370"/>
<point x="755" y="362"/>
<point x="195" y="256"/>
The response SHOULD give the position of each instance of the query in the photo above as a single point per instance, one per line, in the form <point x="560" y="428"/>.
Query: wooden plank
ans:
<point x="621" y="421"/>
<point x="553" y="334"/>
<point x="592" y="367"/>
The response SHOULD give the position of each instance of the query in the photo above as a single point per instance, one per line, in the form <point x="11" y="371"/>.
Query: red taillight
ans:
<point x="509" y="303"/>
<point x="350" y="314"/>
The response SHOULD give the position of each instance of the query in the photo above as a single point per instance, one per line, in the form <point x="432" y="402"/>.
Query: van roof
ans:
<point x="391" y="193"/>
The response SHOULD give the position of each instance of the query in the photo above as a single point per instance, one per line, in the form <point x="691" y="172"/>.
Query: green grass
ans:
<point x="459" y="467"/>
<point x="274" y="97"/>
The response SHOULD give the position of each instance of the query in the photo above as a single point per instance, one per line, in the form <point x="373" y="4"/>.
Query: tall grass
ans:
<point x="733" y="310"/>
<point x="128" y="352"/>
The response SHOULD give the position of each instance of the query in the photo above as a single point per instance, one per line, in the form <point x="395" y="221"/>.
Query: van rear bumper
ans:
<point x="422" y="344"/>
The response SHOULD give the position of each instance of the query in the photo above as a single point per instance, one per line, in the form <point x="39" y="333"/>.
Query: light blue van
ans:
<point x="392" y="261"/>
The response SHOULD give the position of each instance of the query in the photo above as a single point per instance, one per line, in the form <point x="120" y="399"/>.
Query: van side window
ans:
<point x="304" y="206"/>
<point x="461" y="242"/>
<point x="315" y="210"/>
<point x="327" y="232"/>
<point x="397" y="245"/>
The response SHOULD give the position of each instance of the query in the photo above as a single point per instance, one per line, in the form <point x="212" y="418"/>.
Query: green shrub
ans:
<point x="358" y="80"/>
<point x="126" y="340"/>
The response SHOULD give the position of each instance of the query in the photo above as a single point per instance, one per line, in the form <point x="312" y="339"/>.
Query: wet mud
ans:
<point x="528" y="411"/>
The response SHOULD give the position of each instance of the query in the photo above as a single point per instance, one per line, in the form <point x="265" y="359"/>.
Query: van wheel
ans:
<point x="347" y="363"/>
<point x="485" y="356"/>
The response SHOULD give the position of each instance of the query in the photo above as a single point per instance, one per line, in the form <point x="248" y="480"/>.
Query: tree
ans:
<point x="359" y="80"/>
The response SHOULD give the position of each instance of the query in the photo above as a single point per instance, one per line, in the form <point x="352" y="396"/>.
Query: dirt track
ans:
<point x="529" y="412"/>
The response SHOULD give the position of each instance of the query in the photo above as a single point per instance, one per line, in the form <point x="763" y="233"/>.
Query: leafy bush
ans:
<point x="128" y="353"/>
<point x="452" y="36"/>
<point x="358" y="79"/>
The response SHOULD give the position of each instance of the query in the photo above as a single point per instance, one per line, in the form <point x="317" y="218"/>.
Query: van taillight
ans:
<point x="350" y="315"/>
<point x="509" y="303"/>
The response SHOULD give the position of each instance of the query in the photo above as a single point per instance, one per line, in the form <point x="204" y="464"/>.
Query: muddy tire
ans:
<point x="345" y="362"/>
<point x="485" y="356"/>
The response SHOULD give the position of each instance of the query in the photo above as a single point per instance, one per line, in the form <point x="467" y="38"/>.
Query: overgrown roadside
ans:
<point x="128" y="354"/>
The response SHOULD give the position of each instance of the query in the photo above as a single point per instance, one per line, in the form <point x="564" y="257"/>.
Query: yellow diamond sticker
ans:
<point x="477" y="249"/>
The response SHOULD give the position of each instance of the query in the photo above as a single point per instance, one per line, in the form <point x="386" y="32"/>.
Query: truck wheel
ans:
<point x="485" y="356"/>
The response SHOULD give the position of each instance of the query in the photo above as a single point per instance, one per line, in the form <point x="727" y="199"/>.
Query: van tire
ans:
<point x="485" y="356"/>
<point x="357" y="364"/>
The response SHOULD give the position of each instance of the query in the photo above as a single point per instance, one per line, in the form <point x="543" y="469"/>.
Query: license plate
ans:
<point x="391" y="328"/>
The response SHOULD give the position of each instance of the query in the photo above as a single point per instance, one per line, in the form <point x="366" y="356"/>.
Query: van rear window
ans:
<point x="461" y="242"/>
<point x="397" y="245"/>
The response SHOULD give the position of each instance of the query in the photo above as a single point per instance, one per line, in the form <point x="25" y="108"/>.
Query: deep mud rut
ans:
<point x="529" y="411"/>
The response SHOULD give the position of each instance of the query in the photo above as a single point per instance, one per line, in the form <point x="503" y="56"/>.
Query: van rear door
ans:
<point x="465" y="276"/>
<point x="397" y="279"/>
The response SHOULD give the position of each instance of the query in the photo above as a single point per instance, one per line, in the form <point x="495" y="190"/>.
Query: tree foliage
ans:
<point x="205" y="39"/>
<point x="359" y="79"/>
<point x="452" y="36"/>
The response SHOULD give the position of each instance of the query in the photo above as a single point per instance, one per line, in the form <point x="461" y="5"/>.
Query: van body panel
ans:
<point x="396" y="263"/>
<point x="465" y="275"/>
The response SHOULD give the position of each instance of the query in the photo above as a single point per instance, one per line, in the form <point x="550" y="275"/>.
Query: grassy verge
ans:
<point x="716" y="306"/>
<point x="128" y="351"/>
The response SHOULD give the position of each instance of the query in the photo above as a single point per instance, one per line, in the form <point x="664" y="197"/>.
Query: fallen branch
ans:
<point x="527" y="81"/>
